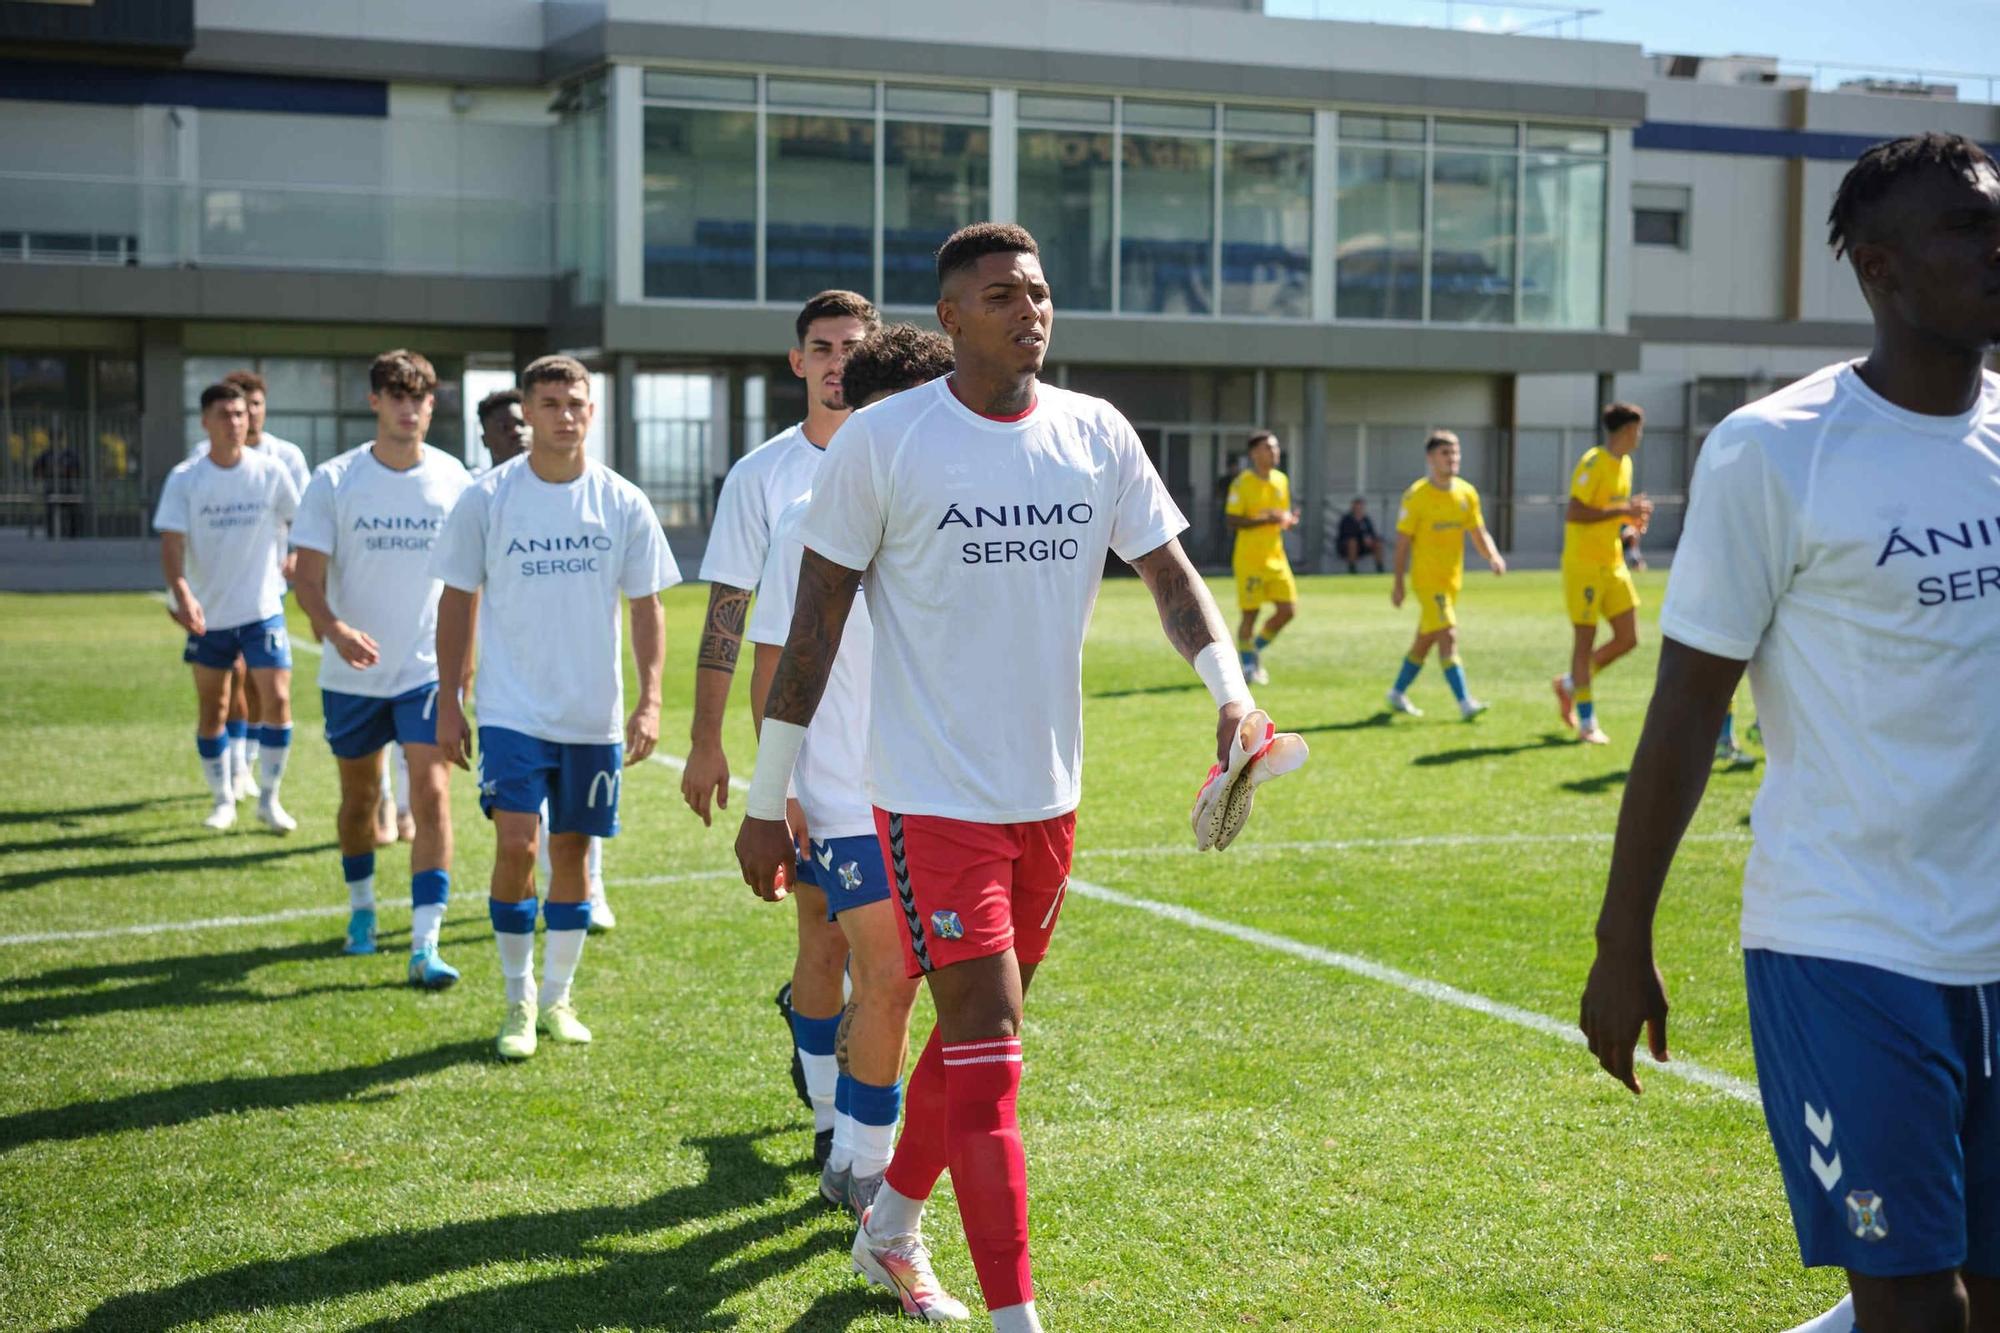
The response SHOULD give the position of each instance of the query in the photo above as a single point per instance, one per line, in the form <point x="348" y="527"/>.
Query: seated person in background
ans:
<point x="1357" y="537"/>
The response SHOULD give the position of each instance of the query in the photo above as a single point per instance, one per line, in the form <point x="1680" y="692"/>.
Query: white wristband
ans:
<point x="1220" y="670"/>
<point x="777" y="754"/>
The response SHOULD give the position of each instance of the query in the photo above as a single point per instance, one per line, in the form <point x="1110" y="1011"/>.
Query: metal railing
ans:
<point x="121" y="220"/>
<point x="1894" y="80"/>
<point x="72" y="473"/>
<point x="1504" y="18"/>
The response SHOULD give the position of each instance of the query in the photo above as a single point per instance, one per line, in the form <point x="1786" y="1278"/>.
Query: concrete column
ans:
<point x="163" y="441"/>
<point x="624" y="439"/>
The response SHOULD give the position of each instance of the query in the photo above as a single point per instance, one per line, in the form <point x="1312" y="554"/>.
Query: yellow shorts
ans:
<point x="1598" y="592"/>
<point x="1438" y="609"/>
<point x="1255" y="587"/>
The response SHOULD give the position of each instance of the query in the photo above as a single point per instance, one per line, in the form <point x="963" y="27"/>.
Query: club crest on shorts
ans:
<point x="1864" y="1215"/>
<point x="850" y="876"/>
<point x="947" y="926"/>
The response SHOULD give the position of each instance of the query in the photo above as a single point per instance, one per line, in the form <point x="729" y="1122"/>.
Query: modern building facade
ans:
<point x="1351" y="233"/>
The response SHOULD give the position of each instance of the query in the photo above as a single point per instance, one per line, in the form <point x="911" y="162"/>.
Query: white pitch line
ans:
<point x="1727" y="1084"/>
<point x="1384" y="844"/>
<point x="679" y="765"/>
<point x="292" y="914"/>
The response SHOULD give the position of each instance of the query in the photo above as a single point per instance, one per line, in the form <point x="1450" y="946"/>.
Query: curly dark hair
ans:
<point x="496" y="400"/>
<point x="891" y="359"/>
<point x="1878" y="171"/>
<point x="968" y="245"/>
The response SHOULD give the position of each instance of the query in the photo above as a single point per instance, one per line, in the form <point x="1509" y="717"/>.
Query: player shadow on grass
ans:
<point x="606" y="1282"/>
<point x="1138" y="690"/>
<point x="121" y="840"/>
<point x="64" y="818"/>
<point x="1598" y="785"/>
<point x="188" y="1102"/>
<point x="179" y="982"/>
<point x="1549" y="741"/>
<point x="255" y="854"/>
<point x="1380" y="718"/>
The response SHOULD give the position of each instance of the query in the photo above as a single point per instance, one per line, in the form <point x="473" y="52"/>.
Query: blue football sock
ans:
<point x="1261" y="643"/>
<point x="359" y="874"/>
<point x="1407" y="673"/>
<point x="1454" y="676"/>
<point x="1586" y="713"/>
<point x="1728" y="729"/>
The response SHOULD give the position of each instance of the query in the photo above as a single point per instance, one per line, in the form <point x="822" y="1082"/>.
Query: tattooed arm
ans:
<point x="819" y="615"/>
<point x="706" y="777"/>
<point x="1189" y="616"/>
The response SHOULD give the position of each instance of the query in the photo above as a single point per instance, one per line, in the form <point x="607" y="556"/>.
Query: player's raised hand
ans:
<point x="704" y="778"/>
<point x="1625" y="992"/>
<point x="765" y="853"/>
<point x="642" y="731"/>
<point x="355" y="647"/>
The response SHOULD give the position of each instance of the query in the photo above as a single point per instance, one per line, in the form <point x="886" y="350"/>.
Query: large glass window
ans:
<point x="701" y="203"/>
<point x="1472" y="237"/>
<point x="935" y="179"/>
<point x="1167" y="250"/>
<point x="1379" y="255"/>
<point x="1065" y="201"/>
<point x="1267" y="229"/>
<point x="820" y="206"/>
<point x="1562" y="242"/>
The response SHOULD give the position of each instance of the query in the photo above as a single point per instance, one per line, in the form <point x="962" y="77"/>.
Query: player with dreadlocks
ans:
<point x="1843" y="540"/>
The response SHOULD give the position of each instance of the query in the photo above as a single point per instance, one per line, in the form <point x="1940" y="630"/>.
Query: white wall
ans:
<point x="1736" y="260"/>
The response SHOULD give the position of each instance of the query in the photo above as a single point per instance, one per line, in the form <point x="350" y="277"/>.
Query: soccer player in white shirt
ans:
<point x="979" y="511"/>
<point x="1843" y="539"/>
<point x="504" y="432"/>
<point x="546" y="544"/>
<point x="221" y="512"/>
<point x="364" y="536"/>
<point x="843" y="850"/>
<point x="756" y="491"/>
<point x="243" y="744"/>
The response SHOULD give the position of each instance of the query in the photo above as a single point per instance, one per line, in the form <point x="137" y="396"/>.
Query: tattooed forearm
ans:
<point x="1187" y="612"/>
<point x="826" y="595"/>
<point x="722" y="634"/>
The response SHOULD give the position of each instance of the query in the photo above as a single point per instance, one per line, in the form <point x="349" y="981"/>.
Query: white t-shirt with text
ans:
<point x="233" y="517"/>
<point x="376" y="526"/>
<point x="549" y="560"/>
<point x="983" y="544"/>
<point x="754" y="493"/>
<point x="834" y="757"/>
<point x="1849" y="551"/>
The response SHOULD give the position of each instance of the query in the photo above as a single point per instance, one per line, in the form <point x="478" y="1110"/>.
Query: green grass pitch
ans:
<point x="234" y="1127"/>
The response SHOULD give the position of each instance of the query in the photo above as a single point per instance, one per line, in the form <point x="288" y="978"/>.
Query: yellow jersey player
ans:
<point x="1596" y="583"/>
<point x="1259" y="512"/>
<point x="1440" y="510"/>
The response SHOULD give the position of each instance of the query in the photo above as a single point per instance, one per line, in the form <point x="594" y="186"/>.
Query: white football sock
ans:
<point x="873" y="1146"/>
<point x="271" y="766"/>
<point x="822" y="1074"/>
<point x="593" y="864"/>
<point x="893" y="1214"/>
<point x="360" y="893"/>
<point x="215" y="771"/>
<point x="401" y="764"/>
<point x="424" y="924"/>
<point x="517" y="964"/>
<point x="842" y="1155"/>
<point x="560" y="951"/>
<point x="252" y="749"/>
<point x="1017" y="1319"/>
<point x="543" y="869"/>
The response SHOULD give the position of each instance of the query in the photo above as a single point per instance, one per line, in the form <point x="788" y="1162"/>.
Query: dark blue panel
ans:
<point x="212" y="90"/>
<point x="1676" y="136"/>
